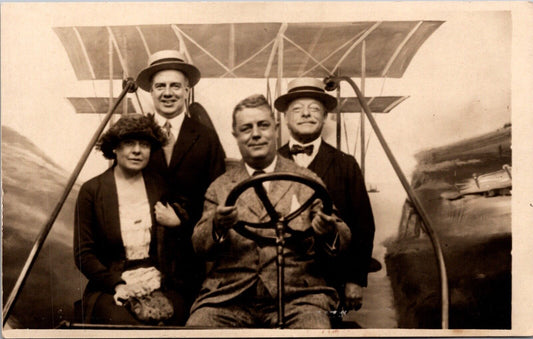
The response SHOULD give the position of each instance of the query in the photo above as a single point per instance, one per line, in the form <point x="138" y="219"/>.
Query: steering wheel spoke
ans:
<point x="278" y="222"/>
<point x="302" y="208"/>
<point x="261" y="193"/>
<point x="244" y="227"/>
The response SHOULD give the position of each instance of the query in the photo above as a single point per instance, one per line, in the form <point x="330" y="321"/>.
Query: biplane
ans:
<point x="276" y="51"/>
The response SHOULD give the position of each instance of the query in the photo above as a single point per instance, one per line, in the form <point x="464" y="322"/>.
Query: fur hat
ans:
<point x="305" y="88"/>
<point x="163" y="60"/>
<point x="131" y="126"/>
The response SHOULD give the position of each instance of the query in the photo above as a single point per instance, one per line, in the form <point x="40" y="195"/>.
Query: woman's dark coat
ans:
<point x="98" y="248"/>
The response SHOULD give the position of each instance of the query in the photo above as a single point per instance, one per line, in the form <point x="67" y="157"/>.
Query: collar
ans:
<point x="175" y="122"/>
<point x="269" y="169"/>
<point x="316" y="145"/>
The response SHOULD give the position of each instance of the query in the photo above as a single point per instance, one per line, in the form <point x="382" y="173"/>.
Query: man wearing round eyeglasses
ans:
<point x="306" y="106"/>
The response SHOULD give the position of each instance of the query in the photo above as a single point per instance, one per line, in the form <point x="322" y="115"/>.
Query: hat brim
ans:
<point x="144" y="79"/>
<point x="327" y="100"/>
<point x="140" y="135"/>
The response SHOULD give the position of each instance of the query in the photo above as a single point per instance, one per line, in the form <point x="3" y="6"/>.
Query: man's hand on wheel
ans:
<point x="225" y="218"/>
<point x="323" y="224"/>
<point x="353" y="296"/>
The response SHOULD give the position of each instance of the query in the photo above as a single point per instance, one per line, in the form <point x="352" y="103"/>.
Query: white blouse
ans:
<point x="135" y="218"/>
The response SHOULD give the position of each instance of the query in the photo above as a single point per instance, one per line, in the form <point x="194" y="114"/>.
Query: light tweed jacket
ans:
<point x="238" y="262"/>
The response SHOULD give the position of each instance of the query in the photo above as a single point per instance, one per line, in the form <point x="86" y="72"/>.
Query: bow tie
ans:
<point x="295" y="149"/>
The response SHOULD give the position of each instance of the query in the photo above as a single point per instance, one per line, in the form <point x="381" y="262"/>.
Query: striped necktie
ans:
<point x="168" y="148"/>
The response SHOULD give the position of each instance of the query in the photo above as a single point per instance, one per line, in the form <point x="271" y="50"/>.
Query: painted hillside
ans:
<point x="32" y="185"/>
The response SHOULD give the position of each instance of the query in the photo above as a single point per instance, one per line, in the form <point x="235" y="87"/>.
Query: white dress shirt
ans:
<point x="269" y="169"/>
<point x="303" y="159"/>
<point x="175" y="123"/>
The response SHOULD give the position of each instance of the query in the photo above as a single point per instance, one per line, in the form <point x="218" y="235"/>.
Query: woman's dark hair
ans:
<point x="131" y="126"/>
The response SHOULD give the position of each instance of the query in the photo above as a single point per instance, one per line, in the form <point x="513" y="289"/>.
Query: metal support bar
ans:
<point x="278" y="38"/>
<point x="339" y="118"/>
<point x="182" y="47"/>
<point x="110" y="68"/>
<point x="278" y="83"/>
<point x="363" y="82"/>
<point x="280" y="261"/>
<point x="38" y="244"/>
<point x="139" y="102"/>
<point x="231" y="49"/>
<point x="308" y="55"/>
<point x="123" y="63"/>
<point x="85" y="54"/>
<point x="399" y="48"/>
<point x="143" y="39"/>
<point x="331" y="84"/>
<point x="251" y="57"/>
<point x="359" y="40"/>
<point x="215" y="59"/>
<point x="125" y="76"/>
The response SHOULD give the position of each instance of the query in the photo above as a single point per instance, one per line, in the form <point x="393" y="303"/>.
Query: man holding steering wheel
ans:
<point x="240" y="289"/>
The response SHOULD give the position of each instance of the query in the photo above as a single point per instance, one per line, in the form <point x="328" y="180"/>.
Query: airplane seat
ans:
<point x="78" y="312"/>
<point x="199" y="113"/>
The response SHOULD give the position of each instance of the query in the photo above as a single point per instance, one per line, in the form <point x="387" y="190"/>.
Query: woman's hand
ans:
<point x="126" y="291"/>
<point x="165" y="215"/>
<point x="121" y="293"/>
<point x="137" y="290"/>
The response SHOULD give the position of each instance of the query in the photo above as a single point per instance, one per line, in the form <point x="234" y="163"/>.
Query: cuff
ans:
<point x="180" y="212"/>
<point x="331" y="243"/>
<point x="217" y="238"/>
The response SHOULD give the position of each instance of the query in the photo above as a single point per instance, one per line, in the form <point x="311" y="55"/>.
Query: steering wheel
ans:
<point x="244" y="228"/>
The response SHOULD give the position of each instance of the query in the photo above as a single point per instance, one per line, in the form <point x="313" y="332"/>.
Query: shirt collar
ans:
<point x="269" y="169"/>
<point x="175" y="122"/>
<point x="316" y="144"/>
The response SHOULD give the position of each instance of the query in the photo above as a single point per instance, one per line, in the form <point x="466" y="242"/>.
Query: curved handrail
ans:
<point x="331" y="84"/>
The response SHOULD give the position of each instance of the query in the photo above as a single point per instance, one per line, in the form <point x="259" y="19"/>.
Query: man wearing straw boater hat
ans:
<point x="191" y="160"/>
<point x="306" y="106"/>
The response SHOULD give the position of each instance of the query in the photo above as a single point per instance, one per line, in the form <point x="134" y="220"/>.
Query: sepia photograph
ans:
<point x="252" y="169"/>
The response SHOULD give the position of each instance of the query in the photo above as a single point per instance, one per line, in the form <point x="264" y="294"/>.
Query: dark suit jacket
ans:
<point x="197" y="160"/>
<point x="342" y="176"/>
<point x="239" y="262"/>
<point x="98" y="248"/>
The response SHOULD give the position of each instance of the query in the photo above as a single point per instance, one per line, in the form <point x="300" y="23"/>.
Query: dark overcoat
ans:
<point x="345" y="183"/>
<point x="197" y="159"/>
<point x="98" y="248"/>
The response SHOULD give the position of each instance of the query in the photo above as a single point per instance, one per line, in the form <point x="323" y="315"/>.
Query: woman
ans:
<point x="118" y="245"/>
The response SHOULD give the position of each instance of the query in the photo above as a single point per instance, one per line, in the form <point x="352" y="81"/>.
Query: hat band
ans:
<point x="160" y="61"/>
<point x="306" y="88"/>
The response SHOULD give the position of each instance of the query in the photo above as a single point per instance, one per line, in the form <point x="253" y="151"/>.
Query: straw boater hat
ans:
<point x="305" y="88"/>
<point x="163" y="60"/>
